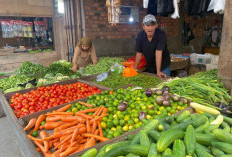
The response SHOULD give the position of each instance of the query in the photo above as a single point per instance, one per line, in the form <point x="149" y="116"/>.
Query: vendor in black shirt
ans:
<point x="152" y="43"/>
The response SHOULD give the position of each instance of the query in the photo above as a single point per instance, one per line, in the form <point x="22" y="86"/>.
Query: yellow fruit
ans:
<point x="125" y="128"/>
<point x="114" y="129"/>
<point x="148" y="116"/>
<point x="130" y="127"/>
<point x="159" y="112"/>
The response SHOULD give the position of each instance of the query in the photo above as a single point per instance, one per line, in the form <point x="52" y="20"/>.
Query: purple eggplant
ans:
<point x="149" y="92"/>
<point x="166" y="103"/>
<point x="122" y="106"/>
<point x="158" y="92"/>
<point x="159" y="100"/>
<point x="174" y="97"/>
<point x="142" y="115"/>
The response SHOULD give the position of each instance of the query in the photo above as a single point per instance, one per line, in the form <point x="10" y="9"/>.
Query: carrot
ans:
<point x="100" y="129"/>
<point x="39" y="121"/>
<point x="43" y="134"/>
<point x="90" y="143"/>
<point x="85" y="104"/>
<point x="63" y="147"/>
<point x="84" y="115"/>
<point x="60" y="113"/>
<point x="94" y="127"/>
<point x="50" y="144"/>
<point x="66" y="125"/>
<point x="48" y="138"/>
<point x="105" y="111"/>
<point x="98" y="109"/>
<point x="30" y="124"/>
<point x="98" y="118"/>
<point x="75" y="133"/>
<point x="65" y="140"/>
<point x="42" y="148"/>
<point x="38" y="149"/>
<point x="83" y="141"/>
<point x="73" y="144"/>
<point x="34" y="139"/>
<point x="41" y="127"/>
<point x="58" y="134"/>
<point x="80" y="148"/>
<point x="79" y="139"/>
<point x="96" y="132"/>
<point x="73" y="118"/>
<point x="88" y="126"/>
<point x="55" y="118"/>
<point x="89" y="110"/>
<point x="68" y="151"/>
<point x="102" y="139"/>
<point x="63" y="137"/>
<point x="52" y="125"/>
<point x="65" y="108"/>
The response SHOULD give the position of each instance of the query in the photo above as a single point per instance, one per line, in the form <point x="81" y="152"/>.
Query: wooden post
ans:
<point x="225" y="56"/>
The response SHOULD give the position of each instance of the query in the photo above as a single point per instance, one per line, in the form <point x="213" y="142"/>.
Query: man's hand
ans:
<point x="74" y="69"/>
<point x="161" y="75"/>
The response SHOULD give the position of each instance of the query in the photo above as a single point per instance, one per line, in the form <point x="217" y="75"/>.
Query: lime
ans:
<point x="172" y="111"/>
<point x="109" y="124"/>
<point x="136" y="120"/>
<point x="130" y="121"/>
<point x="110" y="109"/>
<point x="42" y="123"/>
<point x="120" y="131"/>
<point x="111" y="132"/>
<point x="122" y="122"/>
<point x="90" y="97"/>
<point x="114" y="129"/>
<point x="34" y="133"/>
<point x="160" y="127"/>
<point x="148" y="116"/>
<point x="180" y="103"/>
<point x="126" y="117"/>
<point x="125" y="128"/>
<point x="118" y="127"/>
<point x="103" y="125"/>
<point x="107" y="130"/>
<point x="115" y="103"/>
<point x="115" y="122"/>
<point x="178" y="108"/>
<point x="116" y="133"/>
<point x="137" y="125"/>
<point x="104" y="119"/>
<point x="104" y="134"/>
<point x="109" y="136"/>
<point x="151" y="112"/>
<point x="74" y="109"/>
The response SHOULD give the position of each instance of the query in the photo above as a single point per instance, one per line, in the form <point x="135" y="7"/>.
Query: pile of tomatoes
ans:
<point x="50" y="96"/>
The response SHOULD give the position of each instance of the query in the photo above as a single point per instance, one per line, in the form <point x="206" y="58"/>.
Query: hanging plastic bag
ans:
<point x="217" y="5"/>
<point x="117" y="68"/>
<point x="175" y="15"/>
<point x="145" y="3"/>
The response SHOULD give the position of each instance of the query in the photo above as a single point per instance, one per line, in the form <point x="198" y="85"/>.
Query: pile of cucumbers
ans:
<point x="185" y="135"/>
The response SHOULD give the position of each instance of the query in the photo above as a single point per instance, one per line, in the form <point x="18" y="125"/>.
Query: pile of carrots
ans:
<point x="72" y="132"/>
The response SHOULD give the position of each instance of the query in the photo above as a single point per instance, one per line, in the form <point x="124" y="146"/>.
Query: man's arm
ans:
<point x="74" y="61"/>
<point x="138" y="59"/>
<point x="158" y="55"/>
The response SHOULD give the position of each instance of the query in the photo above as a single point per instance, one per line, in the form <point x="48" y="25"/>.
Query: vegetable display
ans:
<point x="50" y="96"/>
<point x="104" y="64"/>
<point x="129" y="109"/>
<point x="72" y="131"/>
<point x="194" y="139"/>
<point x="204" y="88"/>
<point x="116" y="80"/>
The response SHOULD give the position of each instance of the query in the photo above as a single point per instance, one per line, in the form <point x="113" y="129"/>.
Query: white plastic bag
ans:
<point x="117" y="68"/>
<point x="217" y="5"/>
<point x="102" y="76"/>
<point x="175" y="15"/>
<point x="145" y="3"/>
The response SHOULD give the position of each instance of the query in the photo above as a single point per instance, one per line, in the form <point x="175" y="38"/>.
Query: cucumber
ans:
<point x="154" y="134"/>
<point x="169" y="119"/>
<point x="102" y="151"/>
<point x="168" y="151"/>
<point x="115" y="152"/>
<point x="135" y="140"/>
<point x="187" y="119"/>
<point x="205" y="139"/>
<point x="200" y="119"/>
<point x="194" y="155"/>
<point x="162" y="121"/>
<point x="202" y="153"/>
<point x="153" y="151"/>
<point x="116" y="145"/>
<point x="183" y="115"/>
<point x="182" y="125"/>
<point x="225" y="127"/>
<point x="190" y="140"/>
<point x="202" y="147"/>
<point x="167" y="138"/>
<point x="132" y="155"/>
<point x="144" y="140"/>
<point x="90" y="153"/>
<point x="179" y="148"/>
<point x="227" y="155"/>
<point x="136" y="149"/>
<point x="169" y="156"/>
<point x="173" y="124"/>
<point x="202" y="127"/>
<point x="217" y="152"/>
<point x="225" y="147"/>
<point x="223" y="135"/>
<point x="211" y="128"/>
<point x="228" y="120"/>
<point x="151" y="125"/>
<point x="209" y="115"/>
<point x="129" y="137"/>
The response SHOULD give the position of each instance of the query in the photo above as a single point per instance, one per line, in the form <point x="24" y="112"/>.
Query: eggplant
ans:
<point x="142" y="115"/>
<point x="166" y="89"/>
<point x="122" y="106"/>
<point x="149" y="92"/>
<point x="174" y="97"/>
<point x="158" y="92"/>
<point x="159" y="100"/>
<point x="166" y="96"/>
<point x="166" y="103"/>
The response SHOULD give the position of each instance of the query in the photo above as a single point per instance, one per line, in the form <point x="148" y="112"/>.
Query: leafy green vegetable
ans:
<point x="103" y="65"/>
<point x="116" y="80"/>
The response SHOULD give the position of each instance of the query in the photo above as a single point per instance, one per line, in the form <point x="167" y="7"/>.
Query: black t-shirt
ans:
<point x="158" y="42"/>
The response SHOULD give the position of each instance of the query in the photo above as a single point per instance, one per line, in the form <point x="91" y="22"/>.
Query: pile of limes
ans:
<point x="118" y="122"/>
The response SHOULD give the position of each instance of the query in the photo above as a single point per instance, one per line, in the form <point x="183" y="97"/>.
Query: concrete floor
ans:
<point x="8" y="141"/>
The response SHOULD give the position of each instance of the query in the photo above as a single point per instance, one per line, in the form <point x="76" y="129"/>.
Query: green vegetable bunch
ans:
<point x="103" y="65"/>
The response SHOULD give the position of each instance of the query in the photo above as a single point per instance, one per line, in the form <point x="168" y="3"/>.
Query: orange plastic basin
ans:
<point x="128" y="64"/>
